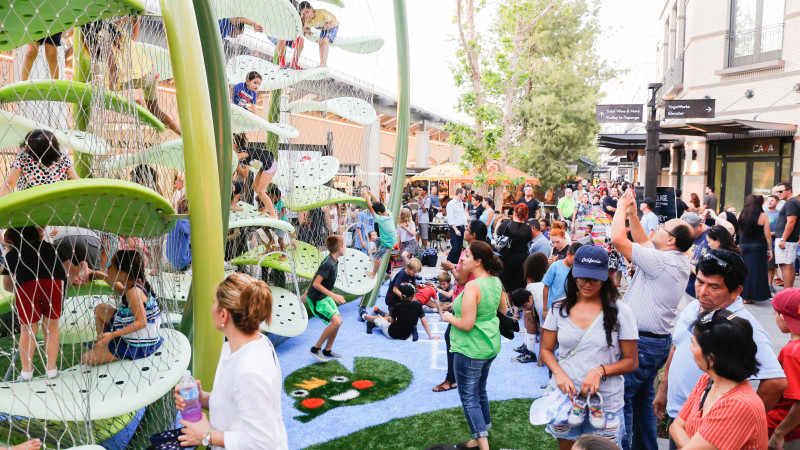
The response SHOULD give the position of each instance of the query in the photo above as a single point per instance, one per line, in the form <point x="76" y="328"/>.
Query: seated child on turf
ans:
<point x="403" y="320"/>
<point x="33" y="270"/>
<point x="407" y="275"/>
<point x="323" y="301"/>
<point x="523" y="299"/>
<point x="385" y="222"/>
<point x="130" y="331"/>
<point x="325" y="22"/>
<point x="427" y="297"/>
<point x="444" y="290"/>
<point x="179" y="243"/>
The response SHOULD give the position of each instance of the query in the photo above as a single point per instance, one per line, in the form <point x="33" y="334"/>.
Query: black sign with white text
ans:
<point x="666" y="209"/>
<point x="684" y="109"/>
<point x="619" y="113"/>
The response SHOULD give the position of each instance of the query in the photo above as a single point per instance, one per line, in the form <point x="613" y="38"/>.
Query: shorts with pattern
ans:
<point x="786" y="255"/>
<point x="614" y="430"/>
<point x="409" y="246"/>
<point x="324" y="309"/>
<point x="330" y="34"/>
<point x="380" y="250"/>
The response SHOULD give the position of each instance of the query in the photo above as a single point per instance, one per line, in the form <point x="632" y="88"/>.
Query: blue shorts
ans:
<point x="614" y="430"/>
<point x="289" y="44"/>
<point x="122" y="350"/>
<point x="380" y="250"/>
<point x="330" y="34"/>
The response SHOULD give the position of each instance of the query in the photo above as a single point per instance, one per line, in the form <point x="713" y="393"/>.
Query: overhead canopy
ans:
<point x="446" y="171"/>
<point x="622" y="143"/>
<point x="493" y="168"/>
<point x="729" y="126"/>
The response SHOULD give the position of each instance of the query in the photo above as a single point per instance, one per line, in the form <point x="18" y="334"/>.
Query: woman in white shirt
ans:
<point x="245" y="405"/>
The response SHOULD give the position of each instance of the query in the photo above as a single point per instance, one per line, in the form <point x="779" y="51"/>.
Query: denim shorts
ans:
<point x="330" y="34"/>
<point x="614" y="430"/>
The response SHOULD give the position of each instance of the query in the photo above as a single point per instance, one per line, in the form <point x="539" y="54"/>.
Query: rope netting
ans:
<point x="93" y="167"/>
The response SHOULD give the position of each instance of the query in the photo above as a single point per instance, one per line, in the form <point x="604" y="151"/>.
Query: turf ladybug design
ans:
<point x="321" y="387"/>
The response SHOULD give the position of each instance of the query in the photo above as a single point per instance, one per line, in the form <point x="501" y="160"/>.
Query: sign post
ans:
<point x="627" y="113"/>
<point x="683" y="109"/>
<point x="651" y="144"/>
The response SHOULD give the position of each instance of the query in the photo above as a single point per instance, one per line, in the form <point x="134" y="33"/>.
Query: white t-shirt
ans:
<point x="246" y="401"/>
<point x="423" y="216"/>
<point x="405" y="235"/>
<point x="537" y="290"/>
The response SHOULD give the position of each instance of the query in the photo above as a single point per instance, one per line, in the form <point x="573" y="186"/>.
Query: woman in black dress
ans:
<point x="756" y="244"/>
<point x="513" y="257"/>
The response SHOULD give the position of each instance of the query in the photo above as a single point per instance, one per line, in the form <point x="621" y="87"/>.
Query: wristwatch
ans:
<point x="207" y="437"/>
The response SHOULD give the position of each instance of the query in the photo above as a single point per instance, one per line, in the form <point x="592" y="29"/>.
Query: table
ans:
<point x="438" y="235"/>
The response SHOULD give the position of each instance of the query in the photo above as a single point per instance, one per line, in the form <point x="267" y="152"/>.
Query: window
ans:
<point x="756" y="31"/>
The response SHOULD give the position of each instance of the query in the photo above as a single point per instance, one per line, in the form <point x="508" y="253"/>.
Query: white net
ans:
<point x="92" y="161"/>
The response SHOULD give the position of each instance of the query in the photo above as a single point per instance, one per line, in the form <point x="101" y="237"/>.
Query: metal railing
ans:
<point x="755" y="46"/>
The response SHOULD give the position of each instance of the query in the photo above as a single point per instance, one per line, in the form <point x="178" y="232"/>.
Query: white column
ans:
<point x="372" y="164"/>
<point x="455" y="154"/>
<point x="423" y="150"/>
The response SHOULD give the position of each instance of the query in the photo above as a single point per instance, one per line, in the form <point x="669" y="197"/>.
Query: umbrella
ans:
<point x="492" y="169"/>
<point x="446" y="171"/>
<point x="600" y="222"/>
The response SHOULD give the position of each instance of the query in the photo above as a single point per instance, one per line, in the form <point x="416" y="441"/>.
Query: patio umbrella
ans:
<point x="446" y="171"/>
<point x="492" y="169"/>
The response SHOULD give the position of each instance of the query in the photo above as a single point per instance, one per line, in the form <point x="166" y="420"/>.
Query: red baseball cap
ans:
<point x="787" y="303"/>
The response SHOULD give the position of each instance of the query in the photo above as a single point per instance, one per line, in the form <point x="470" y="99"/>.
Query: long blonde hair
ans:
<point x="405" y="216"/>
<point x="249" y="301"/>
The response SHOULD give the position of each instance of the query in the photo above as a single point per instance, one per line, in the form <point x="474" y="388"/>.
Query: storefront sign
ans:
<point x="760" y="148"/>
<point x="619" y="113"/>
<point x="684" y="109"/>
<point x="666" y="209"/>
<point x="745" y="147"/>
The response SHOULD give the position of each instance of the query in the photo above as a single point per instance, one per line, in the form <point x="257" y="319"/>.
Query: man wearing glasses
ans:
<point x="787" y="232"/>
<point x="720" y="275"/>
<point x="662" y="271"/>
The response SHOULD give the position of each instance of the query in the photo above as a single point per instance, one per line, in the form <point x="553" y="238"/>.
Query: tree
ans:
<point x="565" y="76"/>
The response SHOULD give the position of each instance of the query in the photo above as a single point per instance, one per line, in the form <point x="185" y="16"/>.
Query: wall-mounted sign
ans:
<point x="684" y="109"/>
<point x="632" y="113"/>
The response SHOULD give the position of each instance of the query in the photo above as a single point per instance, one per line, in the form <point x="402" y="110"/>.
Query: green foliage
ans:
<point x="556" y="111"/>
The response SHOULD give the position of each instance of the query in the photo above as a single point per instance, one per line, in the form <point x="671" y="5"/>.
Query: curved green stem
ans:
<point x="80" y="112"/>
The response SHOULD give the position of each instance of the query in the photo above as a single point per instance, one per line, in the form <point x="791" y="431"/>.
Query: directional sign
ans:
<point x="619" y="113"/>
<point x="684" y="109"/>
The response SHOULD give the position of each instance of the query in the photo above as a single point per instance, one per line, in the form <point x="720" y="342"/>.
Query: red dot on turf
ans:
<point x="363" y="384"/>
<point x="312" y="403"/>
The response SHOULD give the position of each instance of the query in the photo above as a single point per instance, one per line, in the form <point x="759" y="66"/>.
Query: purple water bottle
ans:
<point x="192" y="411"/>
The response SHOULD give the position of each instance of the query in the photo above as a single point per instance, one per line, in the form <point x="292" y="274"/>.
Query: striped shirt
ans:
<point x="657" y="287"/>
<point x="149" y="334"/>
<point x="736" y="421"/>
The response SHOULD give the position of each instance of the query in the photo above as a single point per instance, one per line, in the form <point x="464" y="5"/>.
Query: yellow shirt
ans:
<point x="321" y="17"/>
<point x="130" y="61"/>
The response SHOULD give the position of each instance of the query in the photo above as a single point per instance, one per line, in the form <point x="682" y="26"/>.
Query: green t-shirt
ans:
<point x="567" y="206"/>
<point x="483" y="340"/>
<point x="387" y="229"/>
<point x="280" y="205"/>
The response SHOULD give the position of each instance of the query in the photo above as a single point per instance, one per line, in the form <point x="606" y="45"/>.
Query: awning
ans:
<point x="620" y="144"/>
<point x="730" y="128"/>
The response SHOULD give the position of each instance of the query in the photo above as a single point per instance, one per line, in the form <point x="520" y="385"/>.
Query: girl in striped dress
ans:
<point x="131" y="330"/>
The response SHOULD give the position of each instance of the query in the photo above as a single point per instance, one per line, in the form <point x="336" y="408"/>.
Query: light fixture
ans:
<point x="707" y="97"/>
<point x="694" y="155"/>
<point x="749" y="93"/>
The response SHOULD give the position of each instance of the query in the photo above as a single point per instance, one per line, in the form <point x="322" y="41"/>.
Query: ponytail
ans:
<point x="249" y="301"/>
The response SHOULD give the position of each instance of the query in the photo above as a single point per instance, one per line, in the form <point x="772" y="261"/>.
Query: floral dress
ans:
<point x="581" y="209"/>
<point x="33" y="173"/>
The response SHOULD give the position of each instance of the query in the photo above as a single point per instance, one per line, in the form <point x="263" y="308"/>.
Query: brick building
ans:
<point x="745" y="54"/>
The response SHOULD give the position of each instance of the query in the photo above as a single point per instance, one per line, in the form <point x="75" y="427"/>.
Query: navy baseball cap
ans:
<point x="407" y="290"/>
<point x="591" y="261"/>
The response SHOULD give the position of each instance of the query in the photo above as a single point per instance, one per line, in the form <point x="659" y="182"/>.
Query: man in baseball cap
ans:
<point x="649" y="219"/>
<point x="787" y="315"/>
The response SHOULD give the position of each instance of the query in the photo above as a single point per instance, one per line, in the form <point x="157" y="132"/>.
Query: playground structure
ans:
<point x="98" y="113"/>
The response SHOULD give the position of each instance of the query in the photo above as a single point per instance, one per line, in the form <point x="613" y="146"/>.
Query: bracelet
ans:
<point x="598" y="372"/>
<point x="604" y="372"/>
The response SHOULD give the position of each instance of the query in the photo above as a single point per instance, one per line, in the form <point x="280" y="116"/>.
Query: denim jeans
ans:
<point x="640" y="421"/>
<point x="456" y="244"/>
<point x="471" y="377"/>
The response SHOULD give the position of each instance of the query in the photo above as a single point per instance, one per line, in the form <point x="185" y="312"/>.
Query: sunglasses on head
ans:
<point x="720" y="262"/>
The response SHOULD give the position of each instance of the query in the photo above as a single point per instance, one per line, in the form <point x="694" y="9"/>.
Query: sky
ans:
<point x="629" y="43"/>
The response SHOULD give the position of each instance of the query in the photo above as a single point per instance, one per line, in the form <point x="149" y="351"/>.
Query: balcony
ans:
<point x="755" y="47"/>
<point x="673" y="79"/>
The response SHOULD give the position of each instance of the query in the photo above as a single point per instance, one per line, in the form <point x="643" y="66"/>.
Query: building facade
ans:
<point x="745" y="54"/>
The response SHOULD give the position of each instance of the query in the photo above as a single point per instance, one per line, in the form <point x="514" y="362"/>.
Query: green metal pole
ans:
<point x="403" y="121"/>
<point x="80" y="113"/>
<point x="202" y="179"/>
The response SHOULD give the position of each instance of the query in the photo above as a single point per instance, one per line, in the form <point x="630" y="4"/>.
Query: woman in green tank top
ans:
<point x="475" y="337"/>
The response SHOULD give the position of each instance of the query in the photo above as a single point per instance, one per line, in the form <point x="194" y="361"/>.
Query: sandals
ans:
<point x="444" y="386"/>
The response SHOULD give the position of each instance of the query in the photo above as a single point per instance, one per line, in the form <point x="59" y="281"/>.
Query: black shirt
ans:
<point x="405" y="315"/>
<point x="562" y="254"/>
<point x="681" y="207"/>
<point x="327" y="270"/>
<point x="36" y="260"/>
<point x="400" y="278"/>
<point x="520" y="234"/>
<point x="479" y="211"/>
<point x="533" y="206"/>
<point x="609" y="201"/>
<point x="790" y="208"/>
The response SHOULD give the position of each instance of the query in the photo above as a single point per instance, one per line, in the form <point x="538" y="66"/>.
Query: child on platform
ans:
<point x="33" y="270"/>
<point x="325" y="22"/>
<point x="130" y="331"/>
<point x="782" y="420"/>
<point x="403" y="320"/>
<point x="323" y="301"/>
<point x="179" y="240"/>
<point x="40" y="162"/>
<point x="385" y="222"/>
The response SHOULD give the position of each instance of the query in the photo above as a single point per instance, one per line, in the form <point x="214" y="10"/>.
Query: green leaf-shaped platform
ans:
<point x="115" y="206"/>
<point x="306" y="199"/>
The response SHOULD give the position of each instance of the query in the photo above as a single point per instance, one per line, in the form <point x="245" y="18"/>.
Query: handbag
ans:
<point x="503" y="241"/>
<point x="508" y="325"/>
<point x="167" y="440"/>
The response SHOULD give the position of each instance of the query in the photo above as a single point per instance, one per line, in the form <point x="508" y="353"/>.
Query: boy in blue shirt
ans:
<point x="556" y="278"/>
<point x="364" y="225"/>
<point x="386" y="225"/>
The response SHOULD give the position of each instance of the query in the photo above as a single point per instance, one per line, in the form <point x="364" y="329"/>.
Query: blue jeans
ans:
<point x="471" y="377"/>
<point x="640" y="421"/>
<point x="456" y="244"/>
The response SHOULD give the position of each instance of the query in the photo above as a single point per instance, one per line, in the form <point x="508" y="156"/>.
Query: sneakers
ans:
<point x="332" y="354"/>
<point x="25" y="377"/>
<point x="578" y="411"/>
<point x="521" y="349"/>
<point x="596" y="417"/>
<point x="527" y="357"/>
<point x="361" y="311"/>
<point x="370" y="327"/>
<point x="380" y="312"/>
<point x="317" y="353"/>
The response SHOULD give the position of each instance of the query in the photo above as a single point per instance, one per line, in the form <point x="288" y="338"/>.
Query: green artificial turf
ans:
<point x="511" y="429"/>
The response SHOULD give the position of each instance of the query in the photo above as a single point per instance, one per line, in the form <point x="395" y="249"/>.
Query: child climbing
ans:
<point x="40" y="162"/>
<point x="407" y="232"/>
<point x="33" y="270"/>
<point x="325" y="22"/>
<point x="323" y="301"/>
<point x="130" y="331"/>
<point x="280" y="48"/>
<point x="179" y="243"/>
<point x="385" y="222"/>
<point x="404" y="317"/>
<point x="50" y="45"/>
